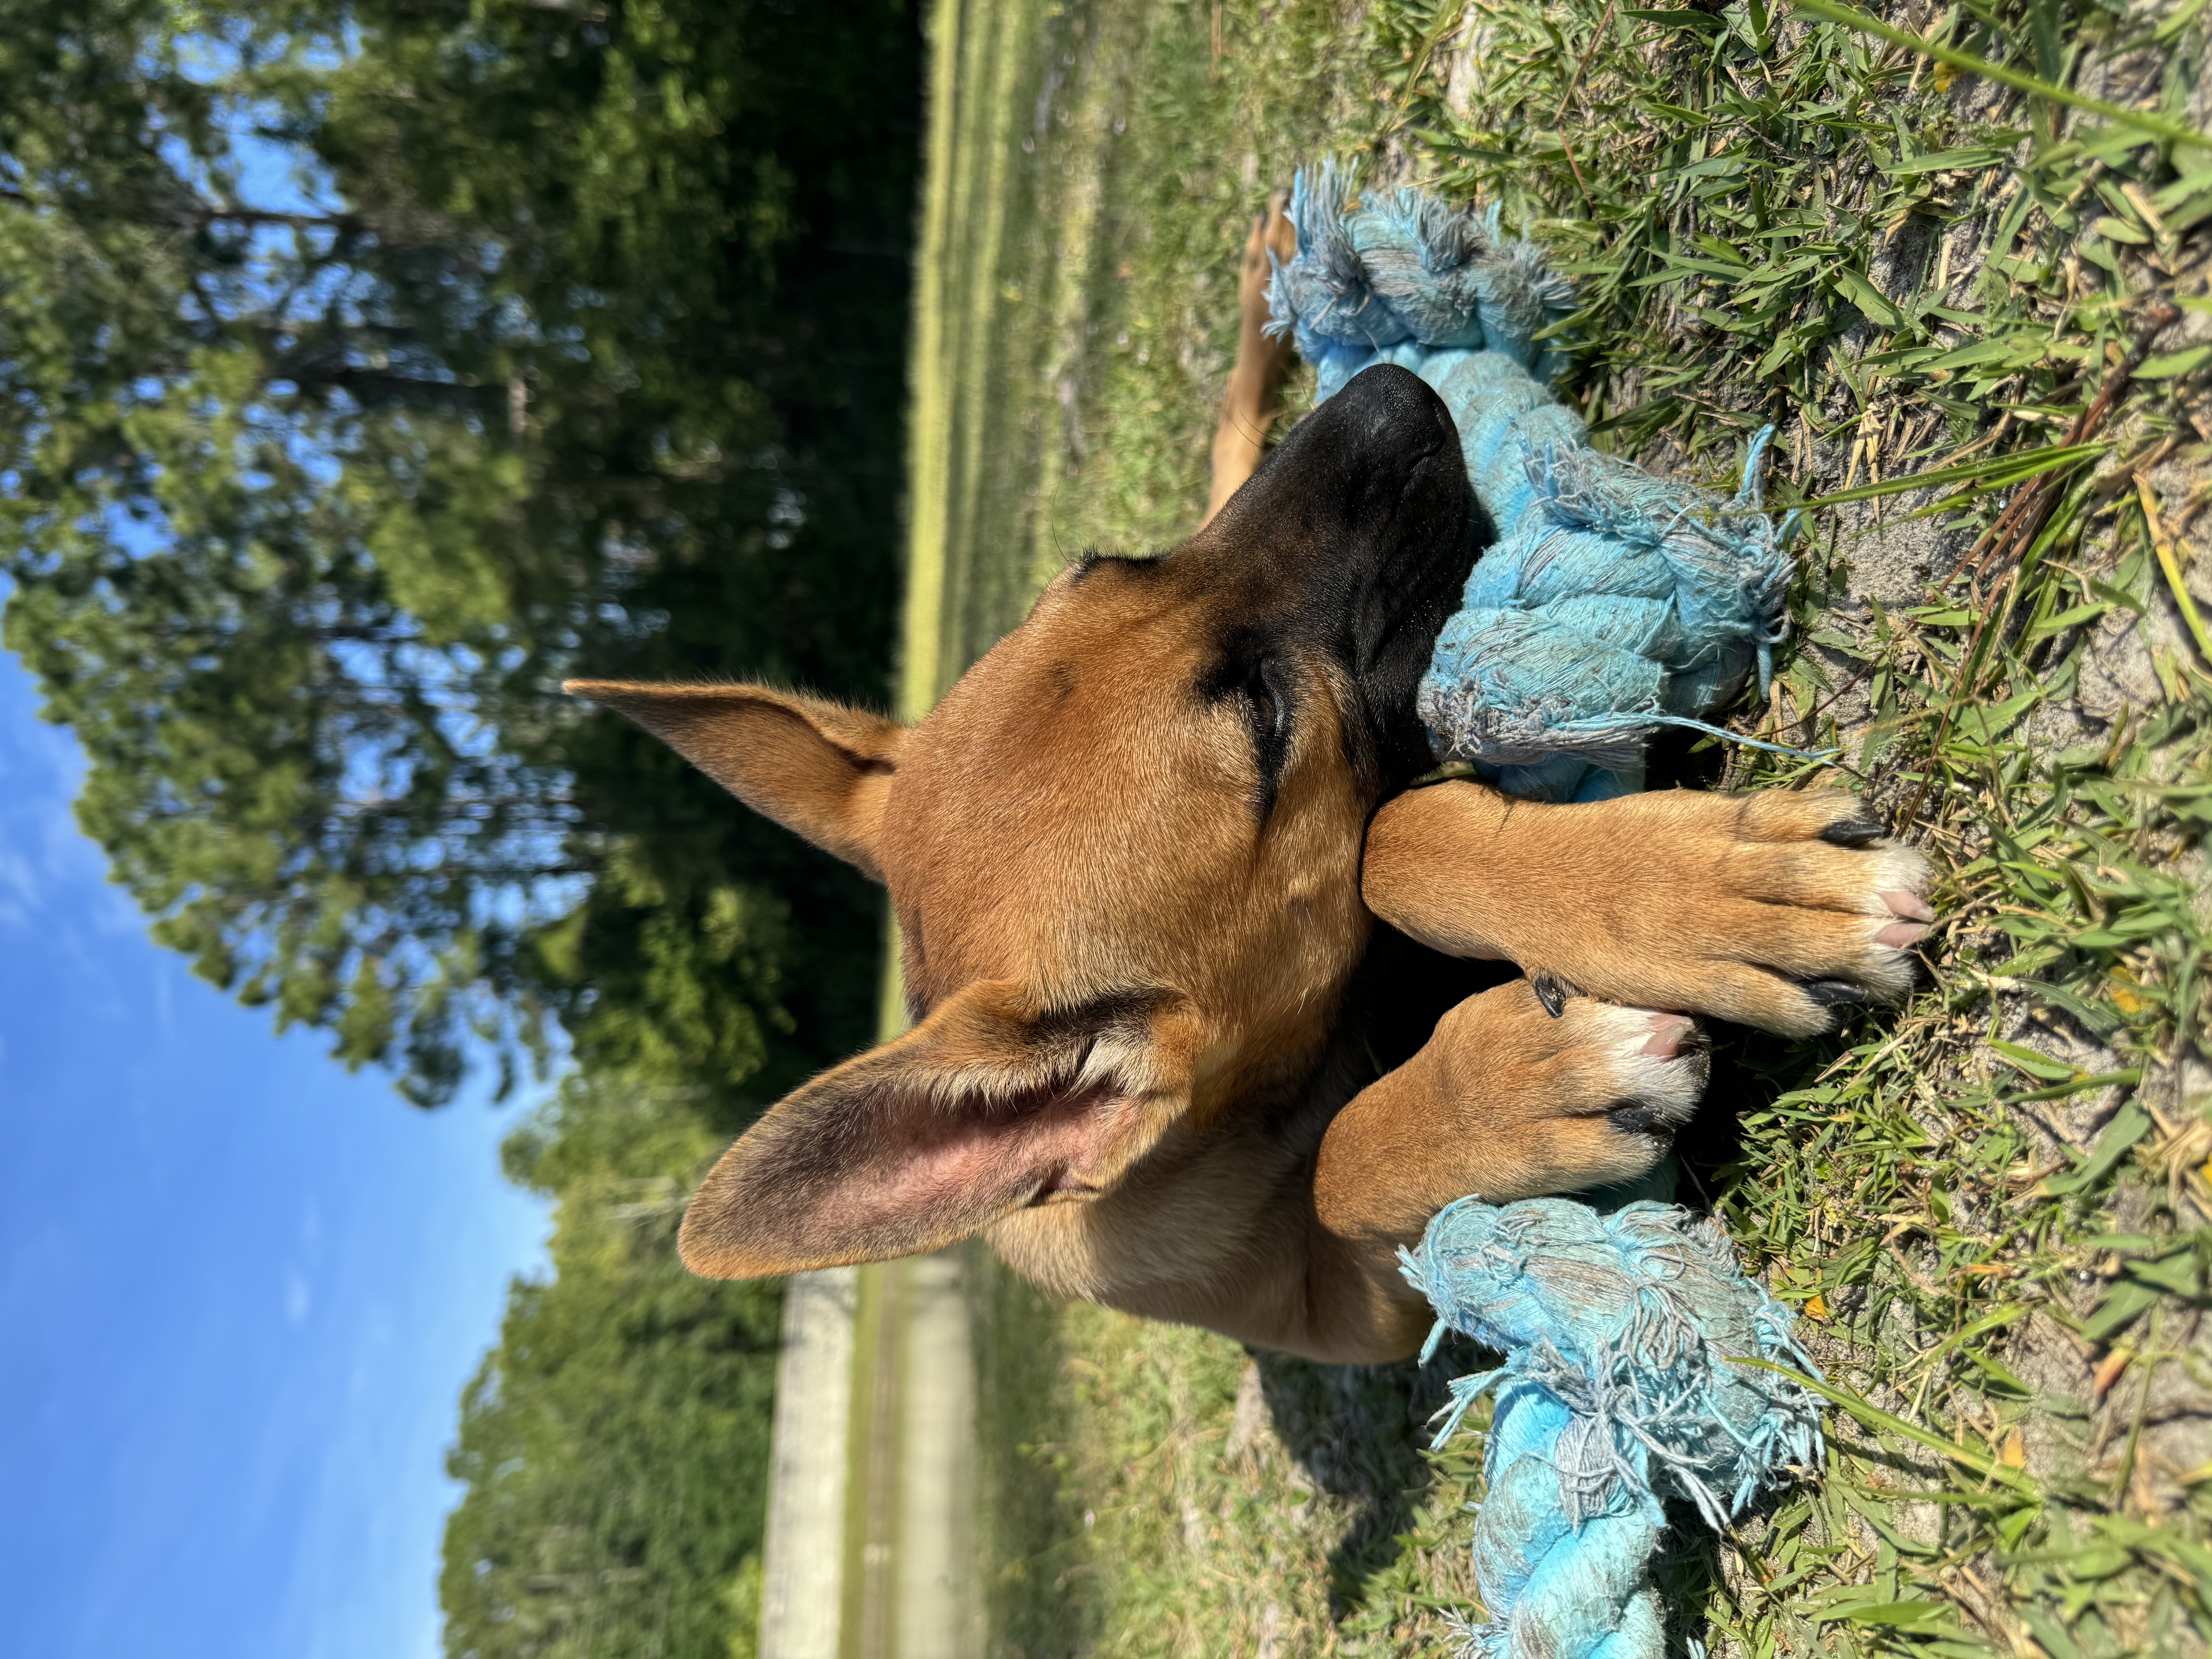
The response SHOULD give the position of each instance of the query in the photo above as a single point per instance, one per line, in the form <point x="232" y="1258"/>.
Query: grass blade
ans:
<point x="1874" y="1417"/>
<point x="2000" y="469"/>
<point x="2157" y="125"/>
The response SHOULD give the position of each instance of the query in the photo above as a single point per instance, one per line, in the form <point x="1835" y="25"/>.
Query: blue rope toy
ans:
<point x="1613" y="602"/>
<point x="1617" y="1394"/>
<point x="1611" y="605"/>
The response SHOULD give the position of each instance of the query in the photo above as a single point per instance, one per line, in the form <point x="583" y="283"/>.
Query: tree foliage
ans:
<point x="367" y="367"/>
<point x="615" y="1446"/>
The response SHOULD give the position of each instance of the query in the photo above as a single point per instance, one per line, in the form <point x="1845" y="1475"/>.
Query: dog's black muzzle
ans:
<point x="1355" y="535"/>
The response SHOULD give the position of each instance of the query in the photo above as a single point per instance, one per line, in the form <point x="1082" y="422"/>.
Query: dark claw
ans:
<point x="1852" y="832"/>
<point x="1633" y="1117"/>
<point x="1834" y="992"/>
<point x="1552" y="992"/>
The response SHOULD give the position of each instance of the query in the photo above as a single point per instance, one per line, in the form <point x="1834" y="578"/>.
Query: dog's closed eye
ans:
<point x="1271" y="709"/>
<point x="1253" y="675"/>
<point x="1267" y="697"/>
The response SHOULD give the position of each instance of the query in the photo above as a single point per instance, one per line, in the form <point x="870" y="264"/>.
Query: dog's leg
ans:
<point x="1779" y="910"/>
<point x="1506" y="1101"/>
<point x="1254" y="397"/>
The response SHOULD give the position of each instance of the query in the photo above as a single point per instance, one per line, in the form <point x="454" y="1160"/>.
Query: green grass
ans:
<point x="1098" y="167"/>
<point x="1991" y="1205"/>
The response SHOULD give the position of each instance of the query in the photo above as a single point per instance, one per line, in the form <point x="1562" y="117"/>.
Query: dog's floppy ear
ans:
<point x="989" y="1105"/>
<point x="818" y="769"/>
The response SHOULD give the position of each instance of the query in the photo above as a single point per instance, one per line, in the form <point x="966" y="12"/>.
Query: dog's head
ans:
<point x="1123" y="850"/>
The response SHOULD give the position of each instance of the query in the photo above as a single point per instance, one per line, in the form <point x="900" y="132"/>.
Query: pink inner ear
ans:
<point x="944" y="1170"/>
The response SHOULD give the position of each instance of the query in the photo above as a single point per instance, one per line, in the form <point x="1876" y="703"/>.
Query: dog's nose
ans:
<point x="1391" y="414"/>
<point x="1392" y="463"/>
<point x="1380" y="457"/>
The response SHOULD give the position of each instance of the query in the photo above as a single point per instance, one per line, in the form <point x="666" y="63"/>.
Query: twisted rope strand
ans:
<point x="1617" y="1394"/>
<point x="1552" y="685"/>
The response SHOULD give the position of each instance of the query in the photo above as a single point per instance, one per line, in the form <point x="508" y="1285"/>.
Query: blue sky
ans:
<point x="239" y="1289"/>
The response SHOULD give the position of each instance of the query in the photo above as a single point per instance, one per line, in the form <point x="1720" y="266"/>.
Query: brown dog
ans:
<point x="1162" y="1054"/>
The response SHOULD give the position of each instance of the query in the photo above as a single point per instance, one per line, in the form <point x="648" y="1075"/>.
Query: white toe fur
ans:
<point x="1888" y="969"/>
<point x="1670" y="1085"/>
<point x="1895" y="867"/>
<point x="1888" y="867"/>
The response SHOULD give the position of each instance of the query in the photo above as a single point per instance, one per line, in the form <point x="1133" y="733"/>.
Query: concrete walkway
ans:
<point x="801" y="1592"/>
<point x="871" y="1527"/>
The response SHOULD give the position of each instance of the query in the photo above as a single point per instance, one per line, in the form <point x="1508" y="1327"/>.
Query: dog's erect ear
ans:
<point x="987" y="1106"/>
<point x="818" y="769"/>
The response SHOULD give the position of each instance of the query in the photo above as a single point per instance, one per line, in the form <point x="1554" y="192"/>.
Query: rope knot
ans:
<point x="1613" y="602"/>
<point x="1617" y="1395"/>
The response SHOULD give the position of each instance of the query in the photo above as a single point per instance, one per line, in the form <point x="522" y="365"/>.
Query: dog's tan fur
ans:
<point x="1128" y="1066"/>
<point x="1253" y="396"/>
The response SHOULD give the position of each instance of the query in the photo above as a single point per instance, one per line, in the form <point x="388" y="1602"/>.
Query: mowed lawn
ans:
<point x="1990" y="1205"/>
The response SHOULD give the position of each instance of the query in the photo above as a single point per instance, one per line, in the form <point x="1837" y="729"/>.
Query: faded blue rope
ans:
<point x="1617" y="1395"/>
<point x="1613" y="602"/>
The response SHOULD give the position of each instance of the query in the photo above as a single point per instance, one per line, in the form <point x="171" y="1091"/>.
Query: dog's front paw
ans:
<point x="1783" y="911"/>
<point x="1552" y="1102"/>
<point x="1507" y="1100"/>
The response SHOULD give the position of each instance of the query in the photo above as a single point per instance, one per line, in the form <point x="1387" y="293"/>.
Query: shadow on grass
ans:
<point x="1357" y="1431"/>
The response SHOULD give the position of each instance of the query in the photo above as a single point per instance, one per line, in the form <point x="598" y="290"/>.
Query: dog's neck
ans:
<point x="1177" y="1237"/>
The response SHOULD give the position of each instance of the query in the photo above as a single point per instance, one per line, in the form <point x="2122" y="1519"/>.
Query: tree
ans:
<point x="614" y="1448"/>
<point x="577" y="344"/>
